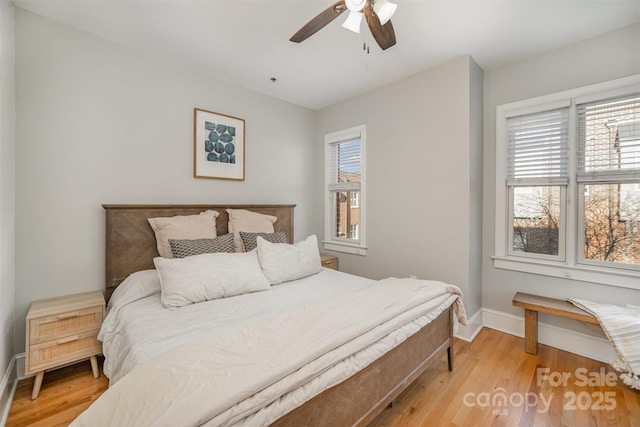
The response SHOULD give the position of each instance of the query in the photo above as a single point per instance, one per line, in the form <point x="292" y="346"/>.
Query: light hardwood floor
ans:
<point x="494" y="365"/>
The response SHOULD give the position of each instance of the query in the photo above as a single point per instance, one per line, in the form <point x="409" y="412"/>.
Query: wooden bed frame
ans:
<point x="131" y="246"/>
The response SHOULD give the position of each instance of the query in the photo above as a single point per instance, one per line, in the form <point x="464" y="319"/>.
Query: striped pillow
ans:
<point x="249" y="240"/>
<point x="184" y="247"/>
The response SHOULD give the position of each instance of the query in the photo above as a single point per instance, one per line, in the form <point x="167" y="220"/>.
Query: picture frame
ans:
<point x="218" y="145"/>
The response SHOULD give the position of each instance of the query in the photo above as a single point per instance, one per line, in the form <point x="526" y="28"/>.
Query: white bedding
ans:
<point x="136" y="331"/>
<point x="207" y="337"/>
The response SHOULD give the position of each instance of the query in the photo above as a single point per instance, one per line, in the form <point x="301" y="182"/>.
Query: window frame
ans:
<point x="606" y="177"/>
<point x="335" y="243"/>
<point x="573" y="265"/>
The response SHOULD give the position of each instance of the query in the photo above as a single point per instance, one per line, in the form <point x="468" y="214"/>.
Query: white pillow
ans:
<point x="282" y="262"/>
<point x="200" y="226"/>
<point x="136" y="286"/>
<point x="250" y="222"/>
<point x="205" y="277"/>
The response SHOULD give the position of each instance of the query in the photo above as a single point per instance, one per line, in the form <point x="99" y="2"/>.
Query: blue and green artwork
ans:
<point x="220" y="144"/>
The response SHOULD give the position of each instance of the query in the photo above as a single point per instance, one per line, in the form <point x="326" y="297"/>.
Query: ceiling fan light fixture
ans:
<point x="355" y="5"/>
<point x="385" y="10"/>
<point x="353" y="21"/>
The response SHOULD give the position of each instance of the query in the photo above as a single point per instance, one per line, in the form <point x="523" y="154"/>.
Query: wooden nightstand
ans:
<point x="61" y="331"/>
<point x="329" y="261"/>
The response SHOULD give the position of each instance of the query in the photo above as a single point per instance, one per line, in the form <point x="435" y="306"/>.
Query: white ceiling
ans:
<point x="247" y="42"/>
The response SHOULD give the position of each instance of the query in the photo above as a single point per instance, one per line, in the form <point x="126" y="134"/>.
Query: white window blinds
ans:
<point x="537" y="148"/>
<point x="609" y="140"/>
<point x="345" y="161"/>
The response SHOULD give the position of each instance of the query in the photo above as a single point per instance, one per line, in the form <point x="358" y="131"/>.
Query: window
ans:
<point x="537" y="181"/>
<point x="345" y="185"/>
<point x="609" y="181"/>
<point x="355" y="199"/>
<point x="353" y="231"/>
<point x="568" y="184"/>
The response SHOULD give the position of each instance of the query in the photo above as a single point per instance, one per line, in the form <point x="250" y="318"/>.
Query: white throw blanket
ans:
<point x="622" y="327"/>
<point x="203" y="381"/>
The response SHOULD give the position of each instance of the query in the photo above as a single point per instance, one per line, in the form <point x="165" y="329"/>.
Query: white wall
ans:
<point x="420" y="211"/>
<point x="100" y="123"/>
<point x="7" y="192"/>
<point x="606" y="57"/>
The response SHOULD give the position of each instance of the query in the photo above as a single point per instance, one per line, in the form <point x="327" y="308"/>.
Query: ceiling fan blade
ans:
<point x="319" y="22"/>
<point x="384" y="35"/>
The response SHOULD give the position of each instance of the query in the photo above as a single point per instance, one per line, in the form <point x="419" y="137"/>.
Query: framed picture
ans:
<point x="218" y="145"/>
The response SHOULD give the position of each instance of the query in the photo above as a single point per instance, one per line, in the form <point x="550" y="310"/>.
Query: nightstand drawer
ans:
<point x="63" y="350"/>
<point x="63" y="325"/>
<point x="329" y="261"/>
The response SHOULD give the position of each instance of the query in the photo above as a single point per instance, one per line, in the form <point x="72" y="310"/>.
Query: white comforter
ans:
<point x="233" y="372"/>
<point x="138" y="328"/>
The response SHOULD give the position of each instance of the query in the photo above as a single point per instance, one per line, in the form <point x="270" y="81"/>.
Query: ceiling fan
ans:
<point x="376" y="12"/>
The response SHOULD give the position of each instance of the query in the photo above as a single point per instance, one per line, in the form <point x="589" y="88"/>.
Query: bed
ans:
<point x="344" y="391"/>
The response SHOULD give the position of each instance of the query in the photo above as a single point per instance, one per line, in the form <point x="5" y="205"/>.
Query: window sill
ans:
<point x="345" y="247"/>
<point x="602" y="276"/>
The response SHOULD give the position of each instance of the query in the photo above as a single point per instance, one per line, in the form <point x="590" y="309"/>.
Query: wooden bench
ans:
<point x="533" y="304"/>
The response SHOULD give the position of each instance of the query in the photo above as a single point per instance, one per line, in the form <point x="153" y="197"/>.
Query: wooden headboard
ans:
<point x="131" y="242"/>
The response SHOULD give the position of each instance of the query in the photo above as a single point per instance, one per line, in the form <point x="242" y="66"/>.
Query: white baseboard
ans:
<point x="564" y="339"/>
<point x="503" y="322"/>
<point x="7" y="389"/>
<point x="473" y="327"/>
<point x="20" y="367"/>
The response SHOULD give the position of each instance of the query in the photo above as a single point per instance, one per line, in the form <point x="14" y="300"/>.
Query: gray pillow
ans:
<point x="182" y="248"/>
<point x="249" y="240"/>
